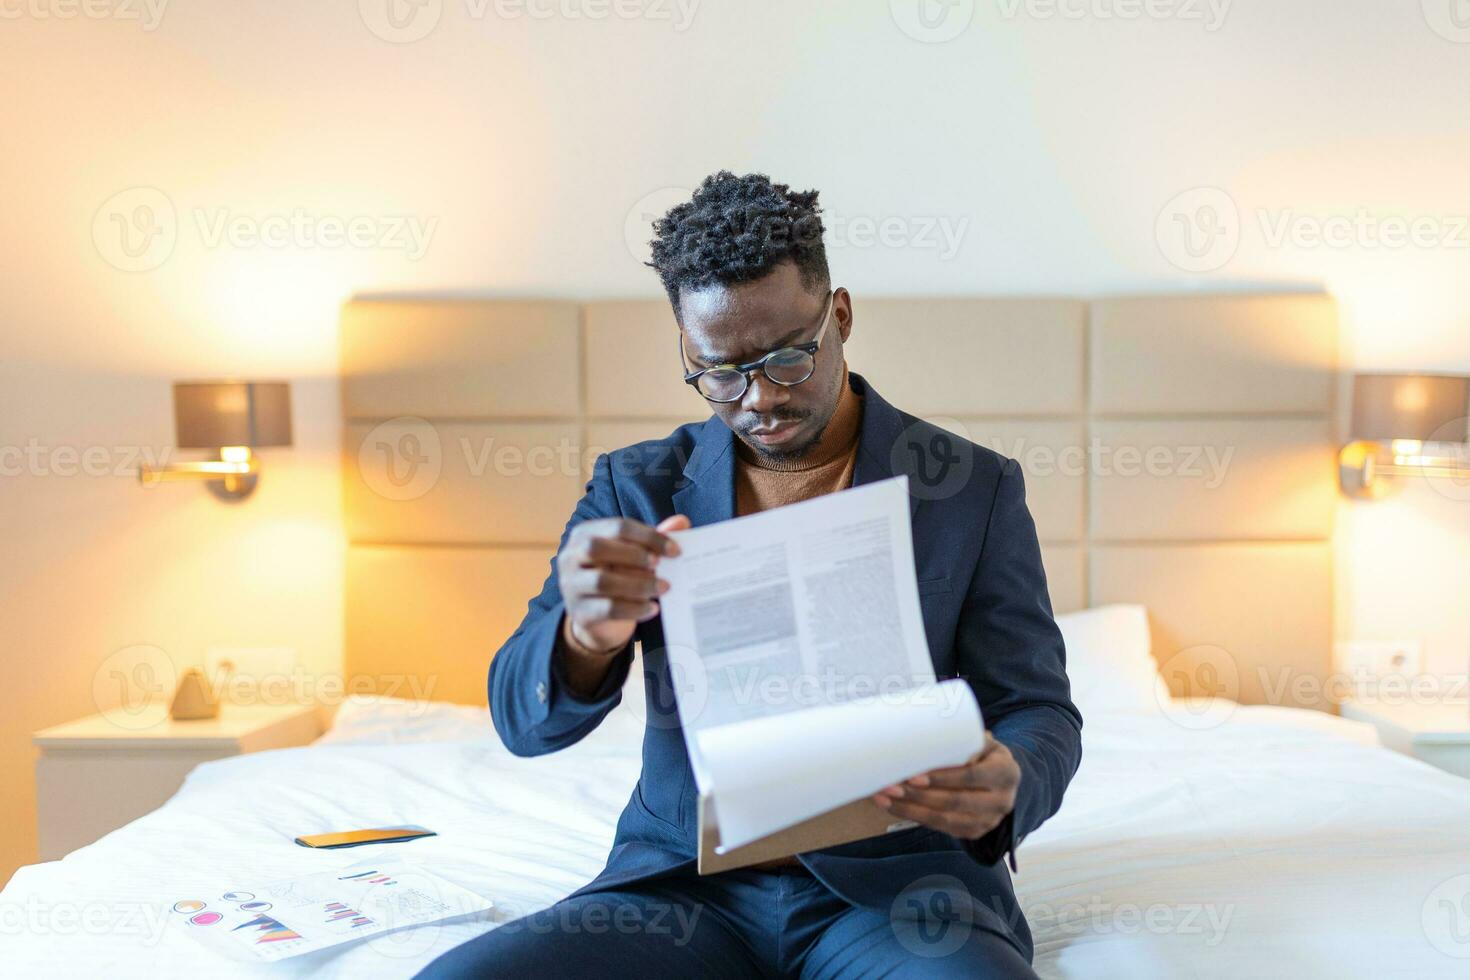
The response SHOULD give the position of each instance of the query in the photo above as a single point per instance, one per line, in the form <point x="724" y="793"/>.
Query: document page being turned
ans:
<point x="800" y="664"/>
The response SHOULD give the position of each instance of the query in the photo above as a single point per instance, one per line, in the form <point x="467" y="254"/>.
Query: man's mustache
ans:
<point x="768" y="420"/>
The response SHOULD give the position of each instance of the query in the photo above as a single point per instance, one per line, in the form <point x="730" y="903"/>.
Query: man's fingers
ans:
<point x="620" y="584"/>
<point x="990" y="746"/>
<point x="954" y="799"/>
<point x="641" y="534"/>
<point x="965" y="801"/>
<point x="612" y="551"/>
<point x="1000" y="774"/>
<point x="676" y="523"/>
<point x="620" y="541"/>
<point x="929" y="817"/>
<point x="989" y="771"/>
<point x="596" y="609"/>
<point x="606" y="571"/>
<point x="973" y="776"/>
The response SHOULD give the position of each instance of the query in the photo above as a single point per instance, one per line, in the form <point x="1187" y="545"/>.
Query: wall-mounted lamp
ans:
<point x="233" y="417"/>
<point x="1403" y="424"/>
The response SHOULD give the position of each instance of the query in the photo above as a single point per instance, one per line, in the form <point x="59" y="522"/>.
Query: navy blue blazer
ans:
<point x="987" y="616"/>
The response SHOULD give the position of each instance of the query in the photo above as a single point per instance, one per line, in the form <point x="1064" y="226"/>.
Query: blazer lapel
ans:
<point x="706" y="494"/>
<point x="884" y="449"/>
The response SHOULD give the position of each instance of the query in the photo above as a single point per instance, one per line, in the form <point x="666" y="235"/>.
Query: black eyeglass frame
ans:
<point x="748" y="369"/>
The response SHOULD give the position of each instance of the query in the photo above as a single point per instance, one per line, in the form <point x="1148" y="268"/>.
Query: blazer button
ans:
<point x="541" y="691"/>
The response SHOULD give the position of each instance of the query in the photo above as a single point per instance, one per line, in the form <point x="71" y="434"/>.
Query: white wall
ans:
<point x="1050" y="146"/>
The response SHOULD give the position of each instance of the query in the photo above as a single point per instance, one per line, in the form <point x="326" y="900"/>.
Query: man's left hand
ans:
<point x="966" y="801"/>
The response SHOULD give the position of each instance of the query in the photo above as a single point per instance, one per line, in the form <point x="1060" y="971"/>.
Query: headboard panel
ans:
<point x="1178" y="452"/>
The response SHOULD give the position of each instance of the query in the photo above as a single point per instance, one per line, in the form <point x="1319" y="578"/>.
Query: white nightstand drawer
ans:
<point x="98" y="773"/>
<point x="1435" y="732"/>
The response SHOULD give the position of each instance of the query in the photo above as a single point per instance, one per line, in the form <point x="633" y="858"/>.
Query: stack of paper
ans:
<point x="800" y="665"/>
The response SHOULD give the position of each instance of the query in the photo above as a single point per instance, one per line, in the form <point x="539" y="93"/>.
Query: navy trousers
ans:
<point x="781" y="923"/>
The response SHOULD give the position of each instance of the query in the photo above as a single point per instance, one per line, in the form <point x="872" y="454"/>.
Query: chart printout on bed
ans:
<point x="799" y="662"/>
<point x="281" y="919"/>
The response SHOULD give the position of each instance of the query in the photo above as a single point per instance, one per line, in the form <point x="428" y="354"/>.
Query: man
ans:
<point x="762" y="335"/>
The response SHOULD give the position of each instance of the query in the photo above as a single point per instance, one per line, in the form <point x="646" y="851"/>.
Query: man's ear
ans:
<point x="842" y="312"/>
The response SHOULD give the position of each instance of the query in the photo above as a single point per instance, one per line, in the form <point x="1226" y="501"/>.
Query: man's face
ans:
<point x="739" y="324"/>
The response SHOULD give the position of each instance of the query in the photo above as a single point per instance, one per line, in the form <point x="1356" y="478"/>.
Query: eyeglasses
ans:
<point x="788" y="366"/>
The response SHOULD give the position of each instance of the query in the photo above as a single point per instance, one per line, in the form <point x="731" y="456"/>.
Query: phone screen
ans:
<point x="352" y="838"/>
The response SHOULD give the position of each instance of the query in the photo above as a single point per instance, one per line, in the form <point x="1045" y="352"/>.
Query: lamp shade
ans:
<point x="1422" y="407"/>
<point x="212" y="414"/>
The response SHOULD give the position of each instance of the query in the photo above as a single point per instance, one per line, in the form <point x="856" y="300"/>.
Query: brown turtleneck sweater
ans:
<point x="761" y="483"/>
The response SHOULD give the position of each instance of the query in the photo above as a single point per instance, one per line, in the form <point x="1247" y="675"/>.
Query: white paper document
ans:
<point x="280" y="919"/>
<point x="800" y="665"/>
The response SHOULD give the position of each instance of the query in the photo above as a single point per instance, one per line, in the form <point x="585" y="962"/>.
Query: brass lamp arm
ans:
<point x="232" y="477"/>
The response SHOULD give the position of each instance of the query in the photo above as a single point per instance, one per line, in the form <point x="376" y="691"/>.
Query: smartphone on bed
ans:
<point x="353" y="838"/>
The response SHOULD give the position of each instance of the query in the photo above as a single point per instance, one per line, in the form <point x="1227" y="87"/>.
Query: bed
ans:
<point x="1224" y="821"/>
<point x="1278" y="842"/>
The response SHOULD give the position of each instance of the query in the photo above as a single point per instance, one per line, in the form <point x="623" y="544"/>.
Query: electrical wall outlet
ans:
<point x="1381" y="658"/>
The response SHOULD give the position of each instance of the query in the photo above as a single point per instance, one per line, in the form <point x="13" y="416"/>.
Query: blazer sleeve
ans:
<point x="1011" y="651"/>
<point x="531" y="705"/>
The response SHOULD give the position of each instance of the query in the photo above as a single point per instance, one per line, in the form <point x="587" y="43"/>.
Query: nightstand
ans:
<point x="95" y="775"/>
<point x="1437" y="733"/>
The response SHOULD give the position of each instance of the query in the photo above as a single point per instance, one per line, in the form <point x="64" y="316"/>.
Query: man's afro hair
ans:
<point x="738" y="229"/>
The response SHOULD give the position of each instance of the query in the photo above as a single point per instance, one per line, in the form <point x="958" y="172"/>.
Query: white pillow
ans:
<point x="379" y="720"/>
<point x="375" y="720"/>
<point x="1109" y="663"/>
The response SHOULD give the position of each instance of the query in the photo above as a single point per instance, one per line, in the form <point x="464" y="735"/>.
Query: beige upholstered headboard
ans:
<point x="1178" y="451"/>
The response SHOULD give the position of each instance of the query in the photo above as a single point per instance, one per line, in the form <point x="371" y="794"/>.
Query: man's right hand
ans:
<point x="606" y="572"/>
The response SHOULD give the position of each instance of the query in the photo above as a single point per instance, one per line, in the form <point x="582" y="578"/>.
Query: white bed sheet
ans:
<point x="1323" y="854"/>
<point x="1275" y="844"/>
